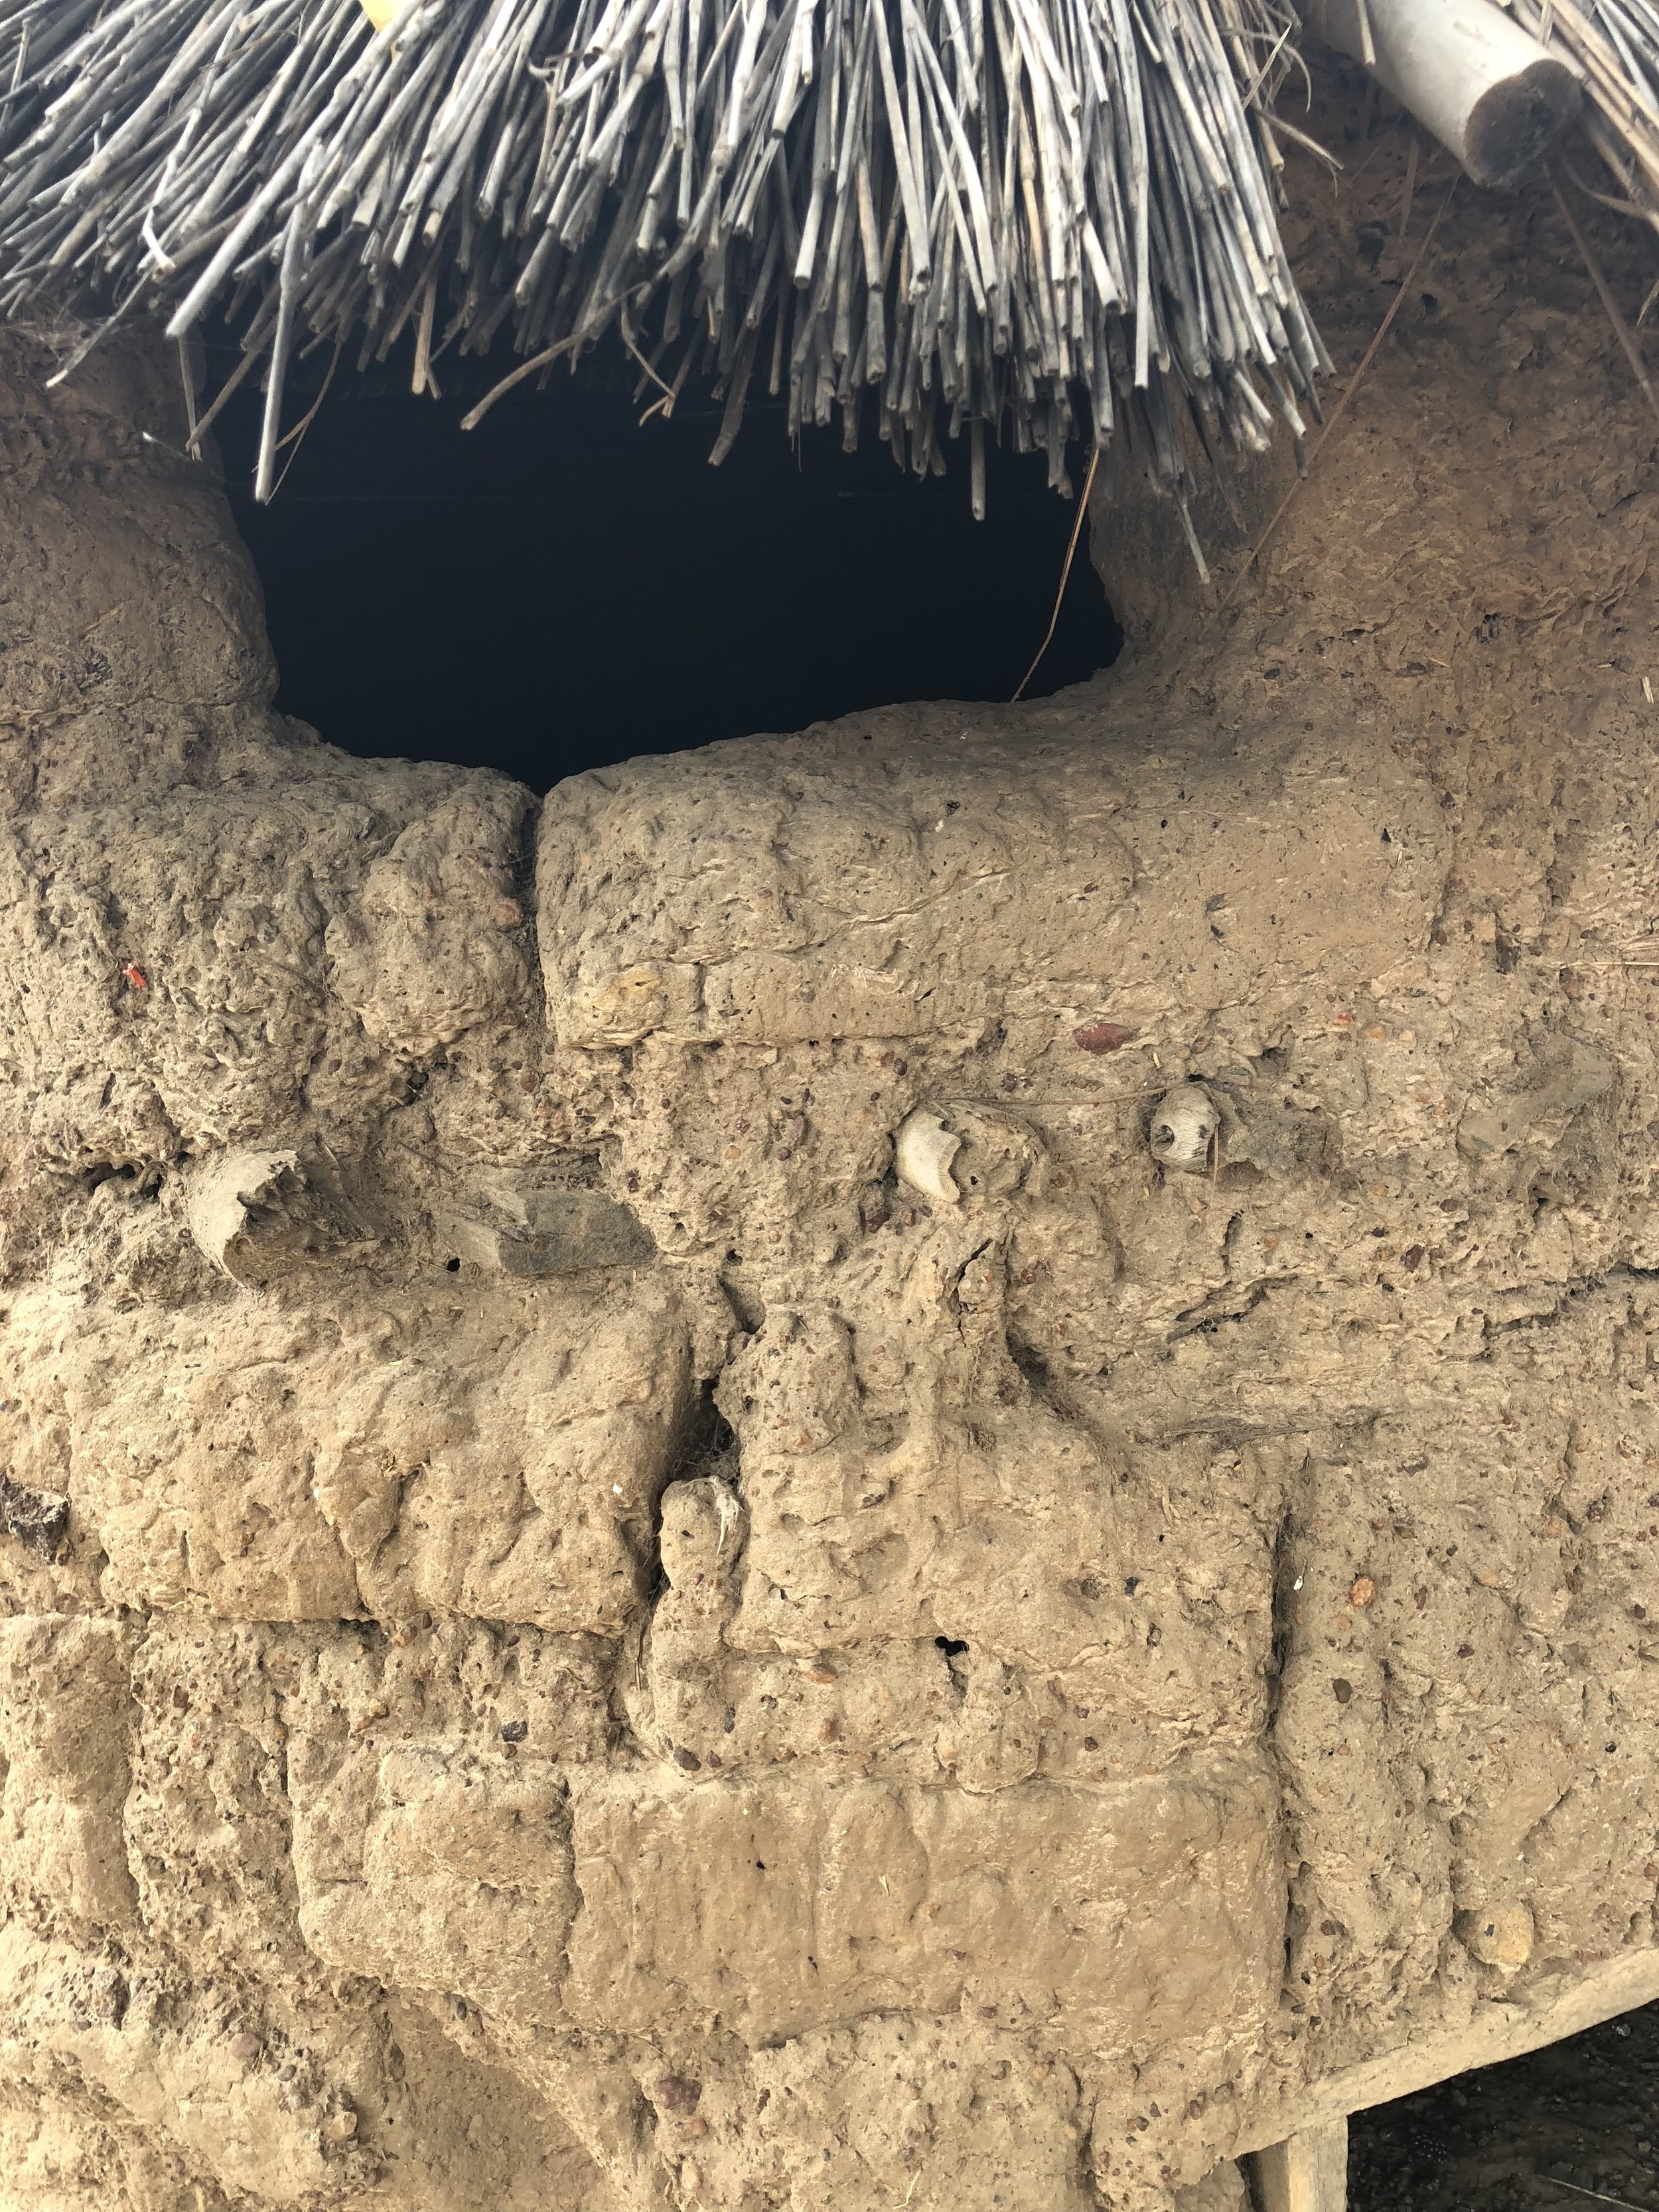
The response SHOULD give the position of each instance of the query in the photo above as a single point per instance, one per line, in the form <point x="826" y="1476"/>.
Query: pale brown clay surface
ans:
<point x="570" y="1640"/>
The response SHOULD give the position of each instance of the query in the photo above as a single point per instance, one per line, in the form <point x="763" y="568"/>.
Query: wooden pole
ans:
<point x="1486" y="88"/>
<point x="1309" y="2172"/>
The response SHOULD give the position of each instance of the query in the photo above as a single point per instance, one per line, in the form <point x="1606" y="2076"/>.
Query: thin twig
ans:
<point x="247" y="363"/>
<point x="1065" y="573"/>
<point x="189" y="383"/>
<point x="1409" y="193"/>
<point x="1633" y="352"/>
<point x="1601" y="2196"/>
<point x="667" y="390"/>
<point x="296" y="436"/>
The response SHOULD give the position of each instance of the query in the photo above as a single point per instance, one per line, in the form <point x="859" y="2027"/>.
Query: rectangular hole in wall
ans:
<point x="1533" y="2133"/>
<point x="1573" y="2123"/>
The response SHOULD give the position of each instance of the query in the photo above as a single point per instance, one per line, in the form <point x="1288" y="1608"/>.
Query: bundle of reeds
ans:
<point x="1613" y="45"/>
<point x="1022" y="216"/>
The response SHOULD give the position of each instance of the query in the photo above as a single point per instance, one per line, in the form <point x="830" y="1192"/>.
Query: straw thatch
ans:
<point x="1032" y="218"/>
<point x="1018" y="217"/>
<point x="1613" y="45"/>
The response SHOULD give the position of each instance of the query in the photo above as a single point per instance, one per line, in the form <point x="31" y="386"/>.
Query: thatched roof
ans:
<point x="1024" y="217"/>
<point x="984" y="213"/>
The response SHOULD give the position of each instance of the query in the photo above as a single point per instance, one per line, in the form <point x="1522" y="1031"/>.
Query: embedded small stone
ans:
<point x="675" y="2093"/>
<point x="109" y="1995"/>
<point x="1501" y="1935"/>
<point x="36" y="1518"/>
<point x="1101" y="1036"/>
<point x="557" y="1232"/>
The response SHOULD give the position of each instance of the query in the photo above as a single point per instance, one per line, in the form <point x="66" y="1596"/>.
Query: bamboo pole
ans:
<point x="1487" y="90"/>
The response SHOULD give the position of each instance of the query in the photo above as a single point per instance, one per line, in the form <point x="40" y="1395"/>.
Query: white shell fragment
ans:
<point x="226" y="1194"/>
<point x="1184" y="1127"/>
<point x="259" y="1214"/>
<point x="1000" y="1153"/>
<point x="925" y="1150"/>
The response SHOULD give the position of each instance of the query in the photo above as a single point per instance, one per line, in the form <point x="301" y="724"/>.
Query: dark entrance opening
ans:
<point x="561" y="588"/>
<point x="1573" y="2124"/>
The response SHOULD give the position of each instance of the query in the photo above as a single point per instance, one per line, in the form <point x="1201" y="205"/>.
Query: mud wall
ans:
<point x="571" y="1636"/>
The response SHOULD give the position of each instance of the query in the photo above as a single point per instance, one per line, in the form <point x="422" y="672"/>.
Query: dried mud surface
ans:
<point x="568" y="1636"/>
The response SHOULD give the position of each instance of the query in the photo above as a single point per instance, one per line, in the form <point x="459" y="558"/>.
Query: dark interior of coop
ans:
<point x="566" y="586"/>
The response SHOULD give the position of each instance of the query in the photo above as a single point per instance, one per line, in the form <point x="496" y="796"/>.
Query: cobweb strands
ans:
<point x="1033" y="218"/>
